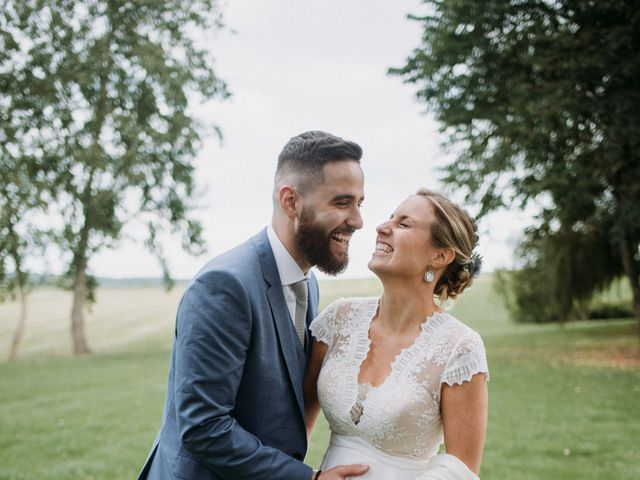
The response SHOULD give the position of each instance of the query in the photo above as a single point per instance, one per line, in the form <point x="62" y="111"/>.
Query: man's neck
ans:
<point x="286" y="235"/>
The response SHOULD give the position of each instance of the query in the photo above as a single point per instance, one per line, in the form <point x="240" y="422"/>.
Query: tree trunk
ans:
<point x="635" y="288"/>
<point x="22" y="321"/>
<point x="80" y="262"/>
<point x="631" y="270"/>
<point x="80" y="346"/>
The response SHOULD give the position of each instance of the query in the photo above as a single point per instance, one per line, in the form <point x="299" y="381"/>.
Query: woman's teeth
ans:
<point x="383" y="247"/>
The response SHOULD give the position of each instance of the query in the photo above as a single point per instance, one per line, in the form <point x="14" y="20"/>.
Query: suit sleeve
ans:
<point x="212" y="338"/>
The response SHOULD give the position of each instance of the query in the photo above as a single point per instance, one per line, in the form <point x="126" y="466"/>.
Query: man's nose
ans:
<point x="355" y="220"/>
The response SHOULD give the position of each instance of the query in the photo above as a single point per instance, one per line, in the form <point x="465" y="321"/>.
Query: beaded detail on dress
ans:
<point x="401" y="416"/>
<point x="358" y="407"/>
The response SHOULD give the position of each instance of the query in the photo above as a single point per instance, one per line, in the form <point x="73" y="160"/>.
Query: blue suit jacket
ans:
<point x="234" y="407"/>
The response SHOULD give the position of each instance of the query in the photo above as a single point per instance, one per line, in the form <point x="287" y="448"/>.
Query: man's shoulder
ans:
<point x="242" y="261"/>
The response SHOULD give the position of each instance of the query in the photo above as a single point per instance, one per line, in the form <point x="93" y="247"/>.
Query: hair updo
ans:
<point x="454" y="228"/>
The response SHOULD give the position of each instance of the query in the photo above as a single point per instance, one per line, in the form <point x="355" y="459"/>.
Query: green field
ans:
<point x="564" y="401"/>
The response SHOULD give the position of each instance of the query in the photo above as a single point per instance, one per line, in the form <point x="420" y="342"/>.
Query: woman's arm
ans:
<point x="311" y="404"/>
<point x="464" y="419"/>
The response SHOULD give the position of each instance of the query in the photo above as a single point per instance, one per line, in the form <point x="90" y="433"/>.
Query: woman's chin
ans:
<point x="375" y="266"/>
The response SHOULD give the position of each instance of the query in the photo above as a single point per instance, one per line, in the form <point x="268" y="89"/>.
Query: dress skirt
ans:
<point x="344" y="450"/>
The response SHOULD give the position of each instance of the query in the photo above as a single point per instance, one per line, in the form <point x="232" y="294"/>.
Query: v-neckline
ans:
<point x="366" y="330"/>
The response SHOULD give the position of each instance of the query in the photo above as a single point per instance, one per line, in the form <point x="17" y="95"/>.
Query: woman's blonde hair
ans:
<point x="454" y="228"/>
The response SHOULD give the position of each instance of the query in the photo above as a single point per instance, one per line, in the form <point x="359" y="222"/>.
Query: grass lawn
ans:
<point x="564" y="402"/>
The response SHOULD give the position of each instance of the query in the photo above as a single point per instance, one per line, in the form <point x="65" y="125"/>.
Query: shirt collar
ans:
<point x="288" y="269"/>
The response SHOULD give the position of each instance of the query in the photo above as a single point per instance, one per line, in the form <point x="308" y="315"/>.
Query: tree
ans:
<point x="118" y="77"/>
<point x="14" y="244"/>
<point x="23" y="179"/>
<point x="543" y="97"/>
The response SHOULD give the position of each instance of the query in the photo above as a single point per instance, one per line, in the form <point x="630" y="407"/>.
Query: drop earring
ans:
<point x="428" y="276"/>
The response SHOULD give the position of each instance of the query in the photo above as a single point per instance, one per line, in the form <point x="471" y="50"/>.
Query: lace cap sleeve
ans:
<point x="467" y="359"/>
<point x="323" y="327"/>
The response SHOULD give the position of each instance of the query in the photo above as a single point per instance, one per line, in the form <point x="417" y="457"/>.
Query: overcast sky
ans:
<point x="297" y="65"/>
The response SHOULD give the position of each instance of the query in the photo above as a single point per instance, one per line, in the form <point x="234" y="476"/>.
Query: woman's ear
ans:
<point x="443" y="257"/>
<point x="289" y="201"/>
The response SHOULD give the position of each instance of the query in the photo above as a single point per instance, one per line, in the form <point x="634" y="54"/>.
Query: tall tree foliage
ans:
<point x="544" y="99"/>
<point x="113" y="79"/>
<point x="17" y="198"/>
<point x="23" y="174"/>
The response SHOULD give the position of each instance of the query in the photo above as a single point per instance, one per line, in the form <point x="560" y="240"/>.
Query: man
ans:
<point x="234" y="406"/>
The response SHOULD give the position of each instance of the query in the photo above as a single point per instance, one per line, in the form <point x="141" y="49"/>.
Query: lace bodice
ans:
<point x="401" y="416"/>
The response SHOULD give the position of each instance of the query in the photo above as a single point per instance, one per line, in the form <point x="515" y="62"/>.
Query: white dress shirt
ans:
<point x="288" y="270"/>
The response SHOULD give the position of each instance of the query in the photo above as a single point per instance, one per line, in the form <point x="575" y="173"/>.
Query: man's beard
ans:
<point x="315" y="245"/>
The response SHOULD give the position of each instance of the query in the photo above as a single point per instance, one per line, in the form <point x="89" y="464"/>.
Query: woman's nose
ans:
<point x="383" y="227"/>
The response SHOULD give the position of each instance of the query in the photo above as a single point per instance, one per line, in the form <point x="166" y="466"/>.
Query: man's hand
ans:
<point x="342" y="472"/>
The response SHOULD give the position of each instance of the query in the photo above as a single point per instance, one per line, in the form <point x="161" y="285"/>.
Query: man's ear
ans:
<point x="443" y="257"/>
<point x="289" y="201"/>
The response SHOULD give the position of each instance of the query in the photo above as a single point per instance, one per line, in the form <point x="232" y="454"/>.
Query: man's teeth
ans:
<point x="340" y="237"/>
<point x="383" y="247"/>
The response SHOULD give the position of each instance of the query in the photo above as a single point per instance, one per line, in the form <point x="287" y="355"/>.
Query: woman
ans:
<point x="397" y="375"/>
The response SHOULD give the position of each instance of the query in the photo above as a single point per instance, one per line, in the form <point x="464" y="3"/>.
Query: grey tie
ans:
<point x="300" y="320"/>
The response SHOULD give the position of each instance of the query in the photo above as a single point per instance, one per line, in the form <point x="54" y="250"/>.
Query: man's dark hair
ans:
<point x="306" y="155"/>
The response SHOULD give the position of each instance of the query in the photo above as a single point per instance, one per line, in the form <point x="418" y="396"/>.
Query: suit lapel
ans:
<point x="281" y="318"/>
<point x="312" y="312"/>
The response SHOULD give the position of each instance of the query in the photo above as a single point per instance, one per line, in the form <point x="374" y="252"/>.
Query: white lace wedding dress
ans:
<point x="395" y="427"/>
